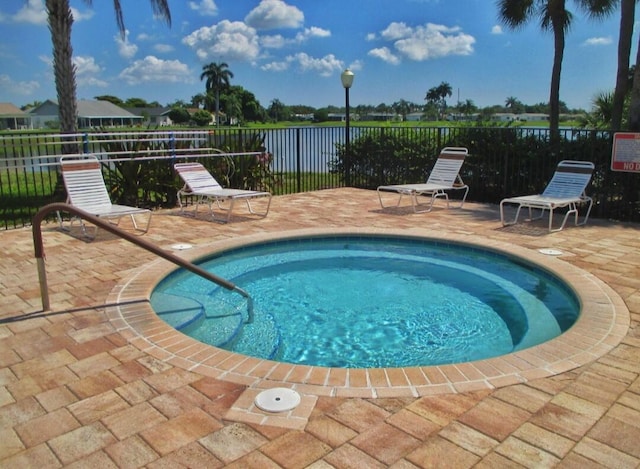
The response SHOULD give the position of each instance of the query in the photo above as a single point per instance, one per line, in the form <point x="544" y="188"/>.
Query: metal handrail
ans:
<point x="107" y="226"/>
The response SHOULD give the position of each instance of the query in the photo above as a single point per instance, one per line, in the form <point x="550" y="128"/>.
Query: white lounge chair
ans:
<point x="566" y="189"/>
<point x="87" y="191"/>
<point x="444" y="177"/>
<point x="199" y="183"/>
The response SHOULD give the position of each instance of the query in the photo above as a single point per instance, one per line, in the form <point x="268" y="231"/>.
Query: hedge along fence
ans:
<point x="139" y="165"/>
<point x="502" y="162"/>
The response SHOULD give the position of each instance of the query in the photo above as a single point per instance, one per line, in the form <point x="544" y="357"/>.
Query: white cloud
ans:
<point x="598" y="41"/>
<point x="152" y="69"/>
<point x="311" y="33"/>
<point x="226" y="40"/>
<point x="34" y="12"/>
<point x="22" y="88"/>
<point x="396" y="30"/>
<point x="125" y="48"/>
<point x="325" y="66"/>
<point x="356" y="65"/>
<point x="370" y="37"/>
<point x="274" y="14"/>
<point x="86" y="65"/>
<point x="205" y="7"/>
<point x="275" y="67"/>
<point x="497" y="29"/>
<point x="163" y="48"/>
<point x="384" y="54"/>
<point x="428" y="41"/>
<point x="277" y="41"/>
<point x="87" y="71"/>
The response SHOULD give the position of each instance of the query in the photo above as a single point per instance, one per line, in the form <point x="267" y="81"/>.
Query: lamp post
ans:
<point x="347" y="81"/>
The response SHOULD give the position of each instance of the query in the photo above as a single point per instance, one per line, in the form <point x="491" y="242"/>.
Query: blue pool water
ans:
<point x="368" y="301"/>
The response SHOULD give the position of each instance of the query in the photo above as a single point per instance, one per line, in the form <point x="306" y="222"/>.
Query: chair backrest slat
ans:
<point x="84" y="183"/>
<point x="570" y="179"/>
<point x="447" y="166"/>
<point x="196" y="177"/>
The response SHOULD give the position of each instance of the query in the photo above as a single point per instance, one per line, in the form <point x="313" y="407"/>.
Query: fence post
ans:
<point x="172" y="146"/>
<point x="85" y="143"/>
<point x="298" y="161"/>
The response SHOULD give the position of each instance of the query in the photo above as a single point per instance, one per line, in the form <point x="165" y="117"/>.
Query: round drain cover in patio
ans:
<point x="550" y="252"/>
<point x="277" y="400"/>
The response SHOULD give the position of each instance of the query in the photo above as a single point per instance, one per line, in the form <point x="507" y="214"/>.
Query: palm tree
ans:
<point x="60" y="21"/>
<point x="553" y="16"/>
<point x="437" y="95"/>
<point x="218" y="76"/>
<point x="627" y="19"/>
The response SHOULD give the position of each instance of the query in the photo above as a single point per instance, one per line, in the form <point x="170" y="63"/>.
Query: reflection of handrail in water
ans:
<point x="107" y="226"/>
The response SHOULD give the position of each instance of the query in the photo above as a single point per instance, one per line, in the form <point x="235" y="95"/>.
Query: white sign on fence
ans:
<point x="625" y="155"/>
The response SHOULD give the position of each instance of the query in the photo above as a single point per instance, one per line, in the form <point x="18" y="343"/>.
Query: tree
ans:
<point x="250" y="108"/>
<point x="627" y="18"/>
<point x="554" y="17"/>
<point x="233" y="107"/>
<point x="60" y="21"/>
<point x="276" y="110"/>
<point x="201" y="117"/>
<point x="198" y="99"/>
<point x="217" y="77"/>
<point x="109" y="98"/>
<point x="179" y="115"/>
<point x="402" y="108"/>
<point x="602" y="111"/>
<point x="438" y="96"/>
<point x="136" y="102"/>
<point x="468" y="107"/>
<point x="514" y="105"/>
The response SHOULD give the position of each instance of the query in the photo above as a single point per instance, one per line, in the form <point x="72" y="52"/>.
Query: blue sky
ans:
<point x="295" y="50"/>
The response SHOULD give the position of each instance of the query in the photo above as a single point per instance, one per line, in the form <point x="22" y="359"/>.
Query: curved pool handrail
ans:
<point x="107" y="226"/>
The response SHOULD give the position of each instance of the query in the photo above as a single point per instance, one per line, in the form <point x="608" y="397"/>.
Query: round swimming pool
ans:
<point x="353" y="301"/>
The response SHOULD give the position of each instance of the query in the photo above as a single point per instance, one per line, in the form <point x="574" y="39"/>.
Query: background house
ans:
<point x="152" y="116"/>
<point x="91" y="113"/>
<point x="13" y="118"/>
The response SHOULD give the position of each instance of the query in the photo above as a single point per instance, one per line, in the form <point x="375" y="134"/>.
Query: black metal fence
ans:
<point x="503" y="162"/>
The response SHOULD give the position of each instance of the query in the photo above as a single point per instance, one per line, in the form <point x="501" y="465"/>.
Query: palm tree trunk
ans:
<point x="218" y="106"/>
<point x="627" y="18"/>
<point x="60" y="22"/>
<point x="634" y="106"/>
<point x="554" y="94"/>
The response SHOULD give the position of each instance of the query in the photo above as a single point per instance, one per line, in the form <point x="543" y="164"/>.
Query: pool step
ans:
<point x="213" y="321"/>
<point x="261" y="338"/>
<point x="178" y="311"/>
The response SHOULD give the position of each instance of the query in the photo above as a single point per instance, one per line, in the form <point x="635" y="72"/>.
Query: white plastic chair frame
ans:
<point x="86" y="190"/>
<point x="566" y="189"/>
<point x="444" y="177"/>
<point x="199" y="183"/>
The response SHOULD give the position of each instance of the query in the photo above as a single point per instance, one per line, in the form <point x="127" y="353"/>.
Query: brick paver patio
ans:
<point x="76" y="390"/>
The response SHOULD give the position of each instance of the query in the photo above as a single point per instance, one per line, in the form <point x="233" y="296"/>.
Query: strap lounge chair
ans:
<point x="198" y="182"/>
<point x="566" y="189"/>
<point x="87" y="191"/>
<point x="444" y="177"/>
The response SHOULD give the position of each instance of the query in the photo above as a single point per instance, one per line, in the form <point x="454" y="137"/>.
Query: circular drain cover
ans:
<point x="550" y="252"/>
<point x="277" y="400"/>
<point x="181" y="246"/>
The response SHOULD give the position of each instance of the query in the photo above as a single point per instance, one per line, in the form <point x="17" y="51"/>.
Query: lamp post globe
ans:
<point x="347" y="78"/>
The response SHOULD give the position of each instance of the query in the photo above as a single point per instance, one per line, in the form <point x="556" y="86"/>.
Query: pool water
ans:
<point x="365" y="302"/>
